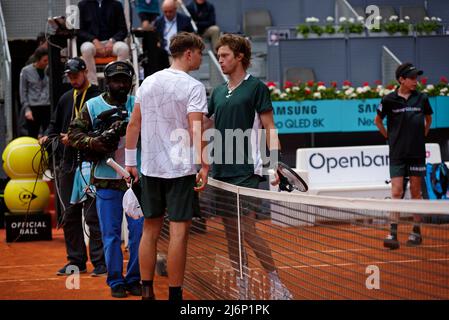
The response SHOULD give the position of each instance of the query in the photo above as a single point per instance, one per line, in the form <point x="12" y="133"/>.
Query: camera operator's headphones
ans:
<point x="119" y="67"/>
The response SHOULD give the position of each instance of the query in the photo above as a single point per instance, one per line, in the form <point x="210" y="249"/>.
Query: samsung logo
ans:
<point x="319" y="161"/>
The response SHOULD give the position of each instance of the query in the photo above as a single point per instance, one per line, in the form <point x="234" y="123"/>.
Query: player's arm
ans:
<point x="428" y="123"/>
<point x="380" y="125"/>
<point x="196" y="127"/>
<point x="272" y="137"/>
<point x="132" y="136"/>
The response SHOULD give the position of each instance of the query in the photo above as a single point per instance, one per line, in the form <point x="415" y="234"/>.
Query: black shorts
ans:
<point x="408" y="168"/>
<point x="174" y="195"/>
<point x="226" y="202"/>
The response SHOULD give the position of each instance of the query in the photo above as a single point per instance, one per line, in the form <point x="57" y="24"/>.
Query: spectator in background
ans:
<point x="171" y="23"/>
<point x="102" y="31"/>
<point x="148" y="11"/>
<point x="203" y="13"/>
<point x="41" y="43"/>
<point x="35" y="94"/>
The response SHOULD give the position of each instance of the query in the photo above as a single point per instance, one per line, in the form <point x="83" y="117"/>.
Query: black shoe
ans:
<point x="69" y="269"/>
<point x="391" y="242"/>
<point x="134" y="289"/>
<point x="99" y="271"/>
<point x="119" y="291"/>
<point x="414" y="239"/>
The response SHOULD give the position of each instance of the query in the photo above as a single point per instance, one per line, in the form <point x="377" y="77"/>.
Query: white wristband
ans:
<point x="130" y="157"/>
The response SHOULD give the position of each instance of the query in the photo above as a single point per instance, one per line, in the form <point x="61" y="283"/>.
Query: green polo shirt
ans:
<point x="236" y="149"/>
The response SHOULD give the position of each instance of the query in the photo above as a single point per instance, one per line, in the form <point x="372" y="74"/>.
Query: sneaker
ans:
<point x="414" y="239"/>
<point x="391" y="242"/>
<point x="69" y="269"/>
<point x="278" y="291"/>
<point x="134" y="289"/>
<point x="119" y="291"/>
<point x="99" y="271"/>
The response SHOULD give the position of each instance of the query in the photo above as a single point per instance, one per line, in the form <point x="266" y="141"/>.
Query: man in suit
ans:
<point x="171" y="23"/>
<point x="102" y="31"/>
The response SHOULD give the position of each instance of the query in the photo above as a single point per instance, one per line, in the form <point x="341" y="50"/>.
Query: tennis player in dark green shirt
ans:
<point x="241" y="107"/>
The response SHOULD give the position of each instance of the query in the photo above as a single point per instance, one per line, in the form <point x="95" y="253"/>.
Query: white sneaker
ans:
<point x="278" y="291"/>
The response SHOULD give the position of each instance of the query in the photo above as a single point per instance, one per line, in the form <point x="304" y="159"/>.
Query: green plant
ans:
<point x="303" y="29"/>
<point x="428" y="25"/>
<point x="351" y="25"/>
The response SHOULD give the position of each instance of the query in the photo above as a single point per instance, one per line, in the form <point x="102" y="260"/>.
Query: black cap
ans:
<point x="408" y="70"/>
<point x="74" y="65"/>
<point x="119" y="67"/>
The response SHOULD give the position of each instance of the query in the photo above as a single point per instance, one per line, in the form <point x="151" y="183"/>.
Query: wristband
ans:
<point x="131" y="157"/>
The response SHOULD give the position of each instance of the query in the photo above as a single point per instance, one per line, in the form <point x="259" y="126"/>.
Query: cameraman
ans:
<point x="66" y="159"/>
<point x="100" y="137"/>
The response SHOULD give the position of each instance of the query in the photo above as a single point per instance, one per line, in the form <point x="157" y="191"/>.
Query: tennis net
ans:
<point x="258" y="244"/>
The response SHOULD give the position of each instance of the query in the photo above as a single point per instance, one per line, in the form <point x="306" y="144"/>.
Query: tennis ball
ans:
<point x="21" y="158"/>
<point x="21" y="194"/>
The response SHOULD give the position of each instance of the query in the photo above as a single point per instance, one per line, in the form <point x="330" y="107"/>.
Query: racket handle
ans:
<point x="118" y="168"/>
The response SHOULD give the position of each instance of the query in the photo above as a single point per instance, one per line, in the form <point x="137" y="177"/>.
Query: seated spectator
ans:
<point x="148" y="11"/>
<point x="203" y="13"/>
<point x="171" y="23"/>
<point x="102" y="31"/>
<point x="35" y="95"/>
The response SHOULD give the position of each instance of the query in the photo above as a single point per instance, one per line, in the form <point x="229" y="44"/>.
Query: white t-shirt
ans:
<point x="165" y="99"/>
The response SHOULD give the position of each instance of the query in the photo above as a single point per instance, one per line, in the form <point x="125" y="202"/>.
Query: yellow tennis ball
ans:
<point x="22" y="157"/>
<point x="21" y="194"/>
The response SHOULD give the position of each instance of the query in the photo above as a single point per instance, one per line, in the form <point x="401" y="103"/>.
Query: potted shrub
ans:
<point x="429" y="26"/>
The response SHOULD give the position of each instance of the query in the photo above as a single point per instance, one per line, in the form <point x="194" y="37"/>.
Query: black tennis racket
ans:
<point x="289" y="179"/>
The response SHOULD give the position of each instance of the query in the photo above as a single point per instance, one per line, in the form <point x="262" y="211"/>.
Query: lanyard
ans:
<point x="75" y="94"/>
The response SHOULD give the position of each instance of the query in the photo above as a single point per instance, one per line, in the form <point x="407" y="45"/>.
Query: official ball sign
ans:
<point x="31" y="227"/>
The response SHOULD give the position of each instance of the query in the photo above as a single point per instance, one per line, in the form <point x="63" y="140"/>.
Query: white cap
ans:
<point x="131" y="205"/>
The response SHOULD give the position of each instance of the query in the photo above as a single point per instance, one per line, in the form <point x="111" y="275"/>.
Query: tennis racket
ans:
<point x="289" y="179"/>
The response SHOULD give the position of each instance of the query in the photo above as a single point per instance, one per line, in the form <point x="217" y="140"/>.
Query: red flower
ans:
<point x="271" y="84"/>
<point x="321" y="83"/>
<point x="310" y="83"/>
<point x="443" y="80"/>
<point x="288" y="84"/>
<point x="366" y="83"/>
<point x="347" y="83"/>
<point x="334" y="84"/>
<point x="308" y="91"/>
<point x="378" y="82"/>
<point x="390" y="86"/>
<point x="424" y="81"/>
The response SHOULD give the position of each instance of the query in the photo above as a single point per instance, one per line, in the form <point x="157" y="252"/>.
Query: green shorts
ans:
<point x="226" y="202"/>
<point x="408" y="168"/>
<point x="174" y="195"/>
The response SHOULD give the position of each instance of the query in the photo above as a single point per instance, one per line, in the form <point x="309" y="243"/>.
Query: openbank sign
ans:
<point x="318" y="161"/>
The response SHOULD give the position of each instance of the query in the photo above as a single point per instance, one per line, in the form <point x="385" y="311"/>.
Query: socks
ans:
<point x="273" y="275"/>
<point x="416" y="229"/>
<point x="175" y="293"/>
<point x="394" y="230"/>
<point x="147" y="290"/>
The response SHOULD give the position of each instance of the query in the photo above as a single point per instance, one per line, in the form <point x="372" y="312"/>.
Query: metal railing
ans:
<point x="5" y="79"/>
<point x="216" y="75"/>
<point x="344" y="9"/>
<point x="389" y="65"/>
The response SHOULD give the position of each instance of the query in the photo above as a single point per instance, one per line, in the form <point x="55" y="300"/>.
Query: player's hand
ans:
<point x="99" y="48"/>
<point x="108" y="48"/>
<point x="201" y="179"/>
<point x="134" y="174"/>
<point x="276" y="179"/>
<point x="64" y="137"/>
<point x="29" y="115"/>
<point x="43" y="140"/>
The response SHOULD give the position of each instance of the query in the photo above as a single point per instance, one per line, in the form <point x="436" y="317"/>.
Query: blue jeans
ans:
<point x="110" y="214"/>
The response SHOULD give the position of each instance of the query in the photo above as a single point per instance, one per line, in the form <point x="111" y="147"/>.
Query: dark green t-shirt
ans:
<point x="236" y="110"/>
<point x="405" y="124"/>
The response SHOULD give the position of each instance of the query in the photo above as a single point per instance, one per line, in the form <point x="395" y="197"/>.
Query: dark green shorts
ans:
<point x="174" y="195"/>
<point x="226" y="202"/>
<point x="408" y="168"/>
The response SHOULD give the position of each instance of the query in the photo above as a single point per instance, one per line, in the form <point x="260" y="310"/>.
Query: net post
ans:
<point x="240" y="234"/>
